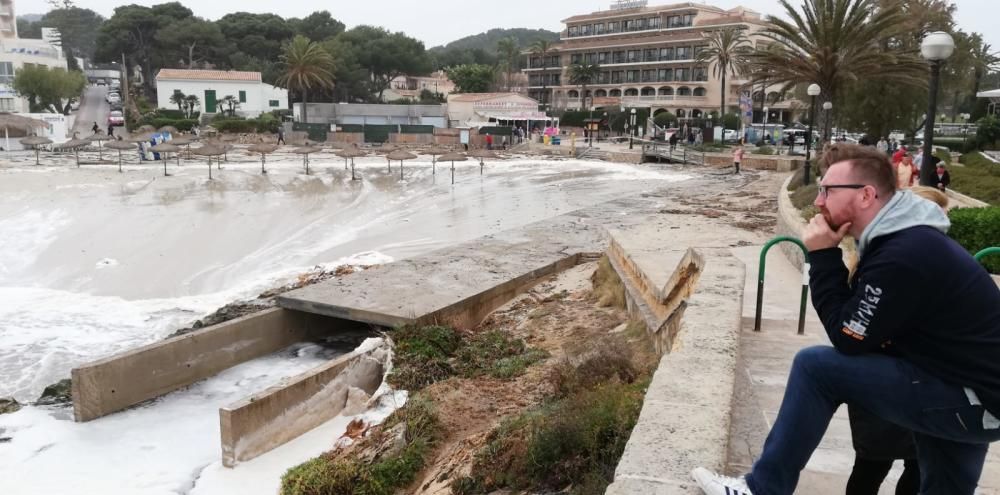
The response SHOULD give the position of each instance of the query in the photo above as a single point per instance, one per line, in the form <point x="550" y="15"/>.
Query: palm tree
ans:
<point x="726" y="53"/>
<point x="190" y="103"/>
<point x="543" y="48"/>
<point x="582" y="75"/>
<point x="178" y="99"/>
<point x="984" y="61"/>
<point x="835" y="42"/>
<point x="232" y="103"/>
<point x="306" y="66"/>
<point x="510" y="55"/>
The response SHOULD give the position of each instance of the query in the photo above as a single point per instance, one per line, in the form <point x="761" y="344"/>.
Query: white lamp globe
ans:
<point x="938" y="45"/>
<point x="813" y="89"/>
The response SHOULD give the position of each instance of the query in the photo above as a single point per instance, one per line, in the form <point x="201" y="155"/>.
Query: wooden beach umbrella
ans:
<point x="13" y="121"/>
<point x="305" y="151"/>
<point x="350" y="153"/>
<point x="210" y="150"/>
<point x="481" y="155"/>
<point x="228" y="139"/>
<point x="400" y="155"/>
<point x="100" y="137"/>
<point x="167" y="147"/>
<point x="453" y="157"/>
<point x="35" y="142"/>
<point x="263" y="149"/>
<point x="385" y="149"/>
<point x="74" y="144"/>
<point x="121" y="146"/>
<point x="434" y="151"/>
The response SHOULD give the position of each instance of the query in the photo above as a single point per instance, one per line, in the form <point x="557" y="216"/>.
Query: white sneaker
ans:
<point x="716" y="484"/>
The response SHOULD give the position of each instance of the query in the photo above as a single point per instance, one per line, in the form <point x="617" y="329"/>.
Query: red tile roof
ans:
<point x="209" y="75"/>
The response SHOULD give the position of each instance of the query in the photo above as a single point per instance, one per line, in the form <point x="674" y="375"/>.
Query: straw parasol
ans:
<point x="167" y="147"/>
<point x="35" y="142"/>
<point x="100" y="137"/>
<point x="263" y="149"/>
<point x="13" y="121"/>
<point x="481" y="155"/>
<point x="305" y="151"/>
<point x="453" y="157"/>
<point x="210" y="150"/>
<point x="74" y="144"/>
<point x="350" y="153"/>
<point x="385" y="149"/>
<point x="434" y="151"/>
<point x="400" y="155"/>
<point x="122" y="145"/>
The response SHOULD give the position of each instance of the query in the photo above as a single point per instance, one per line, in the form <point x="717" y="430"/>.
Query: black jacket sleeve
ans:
<point x="862" y="319"/>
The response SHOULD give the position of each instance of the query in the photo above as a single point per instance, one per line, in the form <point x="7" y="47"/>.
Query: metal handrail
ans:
<point x="760" y="281"/>
<point x="990" y="250"/>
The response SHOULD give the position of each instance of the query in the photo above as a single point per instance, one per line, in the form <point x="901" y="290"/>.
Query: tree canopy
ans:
<point x="49" y="90"/>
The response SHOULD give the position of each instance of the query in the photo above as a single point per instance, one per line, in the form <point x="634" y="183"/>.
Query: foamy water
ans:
<point x="94" y="262"/>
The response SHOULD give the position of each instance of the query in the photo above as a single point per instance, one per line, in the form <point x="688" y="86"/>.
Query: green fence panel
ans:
<point x="351" y="127"/>
<point x="316" y="132"/>
<point x="378" y="133"/>
<point x="417" y="129"/>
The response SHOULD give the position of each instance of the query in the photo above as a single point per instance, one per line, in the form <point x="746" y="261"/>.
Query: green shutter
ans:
<point x="274" y="103"/>
<point x="243" y="96"/>
<point x="210" y="101"/>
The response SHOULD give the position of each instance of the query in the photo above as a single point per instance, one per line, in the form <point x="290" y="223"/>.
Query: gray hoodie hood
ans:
<point x="903" y="211"/>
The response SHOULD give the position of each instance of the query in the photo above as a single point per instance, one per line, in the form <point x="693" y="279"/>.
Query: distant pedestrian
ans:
<point x="690" y="138"/>
<point x="96" y="128"/>
<point x="942" y="178"/>
<point x="111" y="130"/>
<point x="882" y="145"/>
<point x="489" y="141"/>
<point x="919" y="159"/>
<point x="503" y="142"/>
<point x="898" y="155"/>
<point x="673" y="141"/>
<point x="281" y="135"/>
<point x="738" y="155"/>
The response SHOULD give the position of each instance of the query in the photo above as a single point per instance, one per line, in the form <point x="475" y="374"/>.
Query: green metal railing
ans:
<point x="990" y="250"/>
<point x="760" y="281"/>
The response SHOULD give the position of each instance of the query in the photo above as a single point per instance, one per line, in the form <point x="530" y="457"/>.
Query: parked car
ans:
<point x="102" y="82"/>
<point x="730" y="135"/>
<point x="116" y="118"/>
<point x="116" y="105"/>
<point x="114" y="98"/>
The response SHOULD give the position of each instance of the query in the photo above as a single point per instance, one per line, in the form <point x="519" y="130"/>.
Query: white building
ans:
<point x="489" y="109"/>
<point x="212" y="86"/>
<point x="15" y="53"/>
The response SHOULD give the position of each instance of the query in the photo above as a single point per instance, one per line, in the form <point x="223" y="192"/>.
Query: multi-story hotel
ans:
<point x="16" y="53"/>
<point x="648" y="58"/>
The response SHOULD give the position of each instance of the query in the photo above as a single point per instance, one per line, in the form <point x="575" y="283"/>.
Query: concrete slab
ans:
<point x="457" y="285"/>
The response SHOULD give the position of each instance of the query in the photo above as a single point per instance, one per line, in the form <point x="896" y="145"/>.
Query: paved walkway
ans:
<point x="762" y="372"/>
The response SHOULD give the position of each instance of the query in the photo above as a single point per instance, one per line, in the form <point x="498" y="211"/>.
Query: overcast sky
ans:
<point x="436" y="22"/>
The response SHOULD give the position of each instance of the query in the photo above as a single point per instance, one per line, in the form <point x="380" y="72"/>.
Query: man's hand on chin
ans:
<point x="819" y="235"/>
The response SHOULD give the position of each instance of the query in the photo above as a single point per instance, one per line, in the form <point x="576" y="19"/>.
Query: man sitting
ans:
<point x="915" y="333"/>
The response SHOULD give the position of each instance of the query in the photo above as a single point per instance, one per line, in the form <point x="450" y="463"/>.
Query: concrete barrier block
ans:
<point x="281" y="413"/>
<point x="114" y="383"/>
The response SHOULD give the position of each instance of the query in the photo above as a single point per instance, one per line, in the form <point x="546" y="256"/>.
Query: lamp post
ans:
<point x="813" y="91"/>
<point x="765" y="110"/>
<point x="935" y="48"/>
<point x="965" y="130"/>
<point x="827" y="106"/>
<point x="632" y="131"/>
<point x="590" y="128"/>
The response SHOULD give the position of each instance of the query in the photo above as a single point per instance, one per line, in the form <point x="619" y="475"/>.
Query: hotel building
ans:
<point x="648" y="59"/>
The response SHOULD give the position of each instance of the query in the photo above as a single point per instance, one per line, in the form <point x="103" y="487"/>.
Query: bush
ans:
<point x="977" y="229"/>
<point x="235" y="125"/>
<point x="979" y="178"/>
<point x="265" y="123"/>
<point x="764" y="150"/>
<point x="180" y="124"/>
<point x="665" y="119"/>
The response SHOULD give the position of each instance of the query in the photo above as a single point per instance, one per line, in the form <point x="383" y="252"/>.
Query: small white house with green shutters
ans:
<point x="213" y="86"/>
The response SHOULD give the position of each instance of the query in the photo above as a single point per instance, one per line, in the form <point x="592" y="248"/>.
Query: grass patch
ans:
<point x="802" y="199"/>
<point x="425" y="355"/>
<point x="575" y="439"/>
<point x="391" y="470"/>
<point x="979" y="178"/>
<point x="608" y="287"/>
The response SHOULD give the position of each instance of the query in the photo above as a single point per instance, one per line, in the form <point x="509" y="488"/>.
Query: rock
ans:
<point x="57" y="394"/>
<point x="9" y="406"/>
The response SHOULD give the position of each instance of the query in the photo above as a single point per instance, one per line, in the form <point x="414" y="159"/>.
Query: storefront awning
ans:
<point x="514" y="115"/>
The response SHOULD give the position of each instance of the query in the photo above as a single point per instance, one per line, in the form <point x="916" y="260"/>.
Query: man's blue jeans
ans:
<point x="951" y="440"/>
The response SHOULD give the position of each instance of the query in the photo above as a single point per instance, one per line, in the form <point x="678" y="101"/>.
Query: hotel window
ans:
<point x="648" y="75"/>
<point x="619" y="58"/>
<point x="666" y="53"/>
<point x="682" y="75"/>
<point x="555" y="61"/>
<point x="602" y="58"/>
<point x="573" y="30"/>
<point x="674" y="21"/>
<point x="575" y="58"/>
<point x="7" y="105"/>
<point x="640" y="24"/>
<point x="666" y="75"/>
<point x="555" y="79"/>
<point x="632" y="76"/>
<point x="273" y="103"/>
<point x="585" y="30"/>
<point x="653" y="23"/>
<point x="687" y="20"/>
<point x="617" y="76"/>
<point x="683" y="53"/>
<point x="599" y="28"/>
<point x="700" y="74"/>
<point x="613" y="27"/>
<point x="649" y="55"/>
<point x="6" y="72"/>
<point x="698" y="49"/>
<point x="629" y="25"/>
<point x="589" y="58"/>
<point x="603" y="78"/>
<point x="634" y="55"/>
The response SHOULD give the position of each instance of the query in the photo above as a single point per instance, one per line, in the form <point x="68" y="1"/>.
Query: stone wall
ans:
<point x="790" y="223"/>
<point x="779" y="163"/>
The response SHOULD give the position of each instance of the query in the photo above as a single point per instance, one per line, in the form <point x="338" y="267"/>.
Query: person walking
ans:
<point x="96" y="128"/>
<point x="906" y="172"/>
<point x="915" y="335"/>
<point x="281" y="135"/>
<point x="942" y="178"/>
<point x="673" y="141"/>
<point x="738" y="155"/>
<point x="489" y="141"/>
<point x="882" y="146"/>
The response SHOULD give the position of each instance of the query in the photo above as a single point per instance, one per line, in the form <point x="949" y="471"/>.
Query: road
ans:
<point x="93" y="108"/>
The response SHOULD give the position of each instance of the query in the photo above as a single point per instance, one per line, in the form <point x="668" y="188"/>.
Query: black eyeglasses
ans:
<point x="823" y="190"/>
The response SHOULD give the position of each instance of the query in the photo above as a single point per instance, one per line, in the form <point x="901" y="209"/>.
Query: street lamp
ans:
<point x="935" y="48"/>
<point x="590" y="128"/>
<point x="631" y="132"/>
<point x="813" y="91"/>
<point x="827" y="106"/>
<point x="965" y="130"/>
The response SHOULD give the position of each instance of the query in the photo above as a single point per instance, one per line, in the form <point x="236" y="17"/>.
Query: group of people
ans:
<point x="915" y="331"/>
